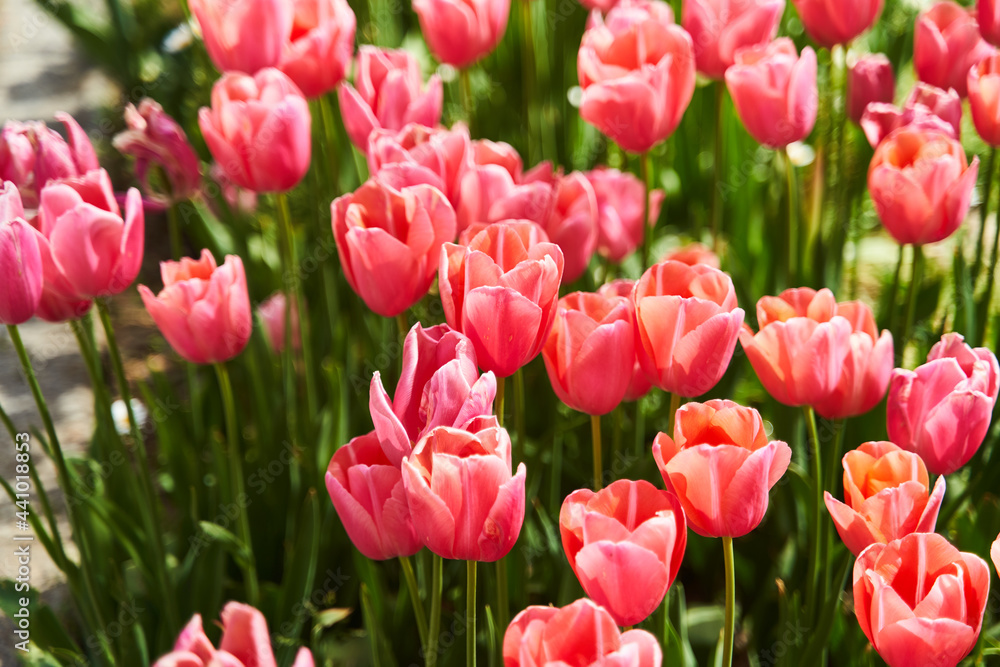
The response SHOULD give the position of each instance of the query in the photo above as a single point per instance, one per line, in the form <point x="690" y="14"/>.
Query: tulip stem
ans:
<point x="646" y="174"/>
<point x="403" y="325"/>
<point x="640" y="426"/>
<point x="991" y="280"/>
<point x="329" y="141"/>
<point x="595" y="438"/>
<point x="529" y="67"/>
<point x="720" y="97"/>
<point x="729" y="625"/>
<point x="503" y="606"/>
<point x="817" y="547"/>
<point x="433" y="632"/>
<point x="911" y="307"/>
<point x="236" y="481"/>
<point x="675" y="405"/>
<point x="792" y="237"/>
<point x="498" y="404"/>
<point x="843" y="221"/>
<point x="418" y="607"/>
<point x="470" y="613"/>
<point x="465" y="87"/>
<point x="519" y="409"/>
<point x="977" y="265"/>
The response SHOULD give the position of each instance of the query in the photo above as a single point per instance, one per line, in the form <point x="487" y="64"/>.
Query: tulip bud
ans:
<point x="870" y="79"/>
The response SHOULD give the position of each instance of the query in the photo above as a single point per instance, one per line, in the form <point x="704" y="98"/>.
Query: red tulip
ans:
<point x="438" y="386"/>
<point x="637" y="72"/>
<point x="984" y="98"/>
<point x="720" y="28"/>
<point x="321" y="45"/>
<point x="501" y="290"/>
<point x="418" y="154"/>
<point x="721" y="466"/>
<point x="799" y="352"/>
<point x="244" y="35"/>
<point x="367" y="491"/>
<point x="460" y="32"/>
<point x="620" y="228"/>
<point x="639" y="385"/>
<point x="693" y="253"/>
<point x="942" y="410"/>
<point x="580" y="633"/>
<point x="988" y="17"/>
<point x="870" y="79"/>
<point x="885" y="497"/>
<point x="866" y="369"/>
<point x="20" y="260"/>
<point x="389" y="94"/>
<point x="774" y="90"/>
<point x="272" y="314"/>
<point x="258" y="130"/>
<point x="464" y="501"/>
<point x="389" y="242"/>
<point x="613" y="538"/>
<point x="590" y="352"/>
<point x="203" y="310"/>
<point x="921" y="185"/>
<point x="687" y="324"/>
<point x="946" y="45"/>
<point x="919" y="600"/>
<point x="831" y="22"/>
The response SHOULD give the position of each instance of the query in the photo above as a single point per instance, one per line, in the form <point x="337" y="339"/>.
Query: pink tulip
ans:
<point x="919" y="600"/>
<point x="258" y="130"/>
<point x="272" y="314"/>
<point x="866" y="369"/>
<point x="321" y="45"/>
<point x="203" y="310"/>
<point x="17" y="154"/>
<point x="418" y="154"/>
<point x="590" y="352"/>
<point x="693" y="253"/>
<point x="389" y="94"/>
<point x="945" y="104"/>
<point x="946" y="45"/>
<point x="984" y="98"/>
<point x="721" y="466"/>
<point x="155" y="139"/>
<point x="942" y="410"/>
<point x="460" y="32"/>
<point x="636" y="68"/>
<point x="20" y="260"/>
<point x="687" y="324"/>
<point x="389" y="242"/>
<point x="464" y="501"/>
<point x="493" y="173"/>
<point x="870" y="79"/>
<point x="995" y="553"/>
<point x="988" y="17"/>
<point x="625" y="544"/>
<point x="620" y="229"/>
<point x="367" y="492"/>
<point x="244" y="35"/>
<point x="572" y="223"/>
<point x="927" y="108"/>
<point x="581" y="633"/>
<point x="501" y="290"/>
<point x="438" y="386"/>
<point x="885" y="497"/>
<point x="831" y="22"/>
<point x="240" y="200"/>
<point x="245" y="643"/>
<point x="774" y="90"/>
<point x="720" y="28"/>
<point x="799" y="352"/>
<point x="639" y="385"/>
<point x="921" y="185"/>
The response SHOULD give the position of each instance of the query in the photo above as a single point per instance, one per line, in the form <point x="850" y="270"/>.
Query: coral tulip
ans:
<point x="572" y="223"/>
<point x="693" y="253"/>
<point x="321" y="45"/>
<point x="639" y="385"/>
<point x="272" y="314"/>
<point x="988" y="17"/>
<point x="942" y="410"/>
<point x="984" y="98"/>
<point x="637" y="72"/>
<point x="627" y="532"/>
<point x="492" y="177"/>
<point x="927" y="108"/>
<point x="721" y="466"/>
<point x="244" y="35"/>
<point x="687" y="324"/>
<point x="620" y="228"/>
<point x="460" y="32"/>
<point x="946" y="45"/>
<point x="886" y="496"/>
<point x="418" y="154"/>
<point x="20" y="261"/>
<point x="919" y="600"/>
<point x="203" y="310"/>
<point x="870" y="79"/>
<point x="831" y="22"/>
<point x="720" y="28"/>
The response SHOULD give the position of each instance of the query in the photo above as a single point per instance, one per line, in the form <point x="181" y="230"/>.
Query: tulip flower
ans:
<point x="367" y="491"/>
<point x="942" y="410"/>
<point x="258" y="130"/>
<point x="946" y="45"/>
<point x="461" y="32"/>
<point x="20" y="260"/>
<point x="389" y="242"/>
<point x="799" y="352"/>
<point x="831" y="22"/>
<point x="720" y="28"/>
<point x="919" y="600"/>
<point x="155" y="139"/>
<point x="721" y="466"/>
<point x="927" y="108"/>
<point x="637" y="72"/>
<point x="572" y="223"/>
<point x="464" y="501"/>
<point x="995" y="553"/>
<point x="418" y="154"/>
<point x="620" y="206"/>
<point x="240" y="200"/>
<point x="774" y="90"/>
<point x="639" y="385"/>
<point x="246" y="642"/>
<point x="921" y="185"/>
<point x="203" y="310"/>
<point x="886" y="496"/>
<point x="984" y="98"/>
<point x="945" y="104"/>
<point x="866" y="368"/>
<point x="501" y="290"/>
<point x="272" y="314"/>
<point x="321" y="45"/>
<point x="870" y="79"/>
<point x="988" y="18"/>
<point x="693" y="253"/>
<point x="687" y="324"/>
<point x="244" y="35"/>
<point x="625" y="544"/>
<point x="388" y="93"/>
<point x="492" y="181"/>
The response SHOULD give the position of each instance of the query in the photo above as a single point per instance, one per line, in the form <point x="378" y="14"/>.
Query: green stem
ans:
<point x="640" y="427"/>
<point x="675" y="405"/>
<point x="368" y="611"/>
<point x="911" y="306"/>
<point x="434" y="631"/>
<point x="595" y="437"/>
<point x="503" y="606"/>
<point x="792" y="238"/>
<point x="647" y="240"/>
<point x="991" y="280"/>
<point x="817" y="504"/>
<point x="329" y="141"/>
<point x="894" y="294"/>
<point x="519" y="407"/>
<point x="236" y="479"/>
<point x="403" y="326"/>
<point x="977" y="265"/>
<point x="729" y="625"/>
<point x="720" y="96"/>
<point x="843" y="202"/>
<point x="498" y="403"/>
<point x="528" y="57"/>
<point x="470" y="613"/>
<point x="465" y="85"/>
<point x="418" y="608"/>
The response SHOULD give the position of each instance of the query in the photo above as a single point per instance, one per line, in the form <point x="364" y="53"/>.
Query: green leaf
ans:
<point x="227" y="540"/>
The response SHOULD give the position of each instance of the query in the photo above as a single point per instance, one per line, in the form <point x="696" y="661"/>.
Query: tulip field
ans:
<point x="511" y="332"/>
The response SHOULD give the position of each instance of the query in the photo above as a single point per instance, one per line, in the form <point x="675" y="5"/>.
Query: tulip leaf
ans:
<point x="228" y="540"/>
